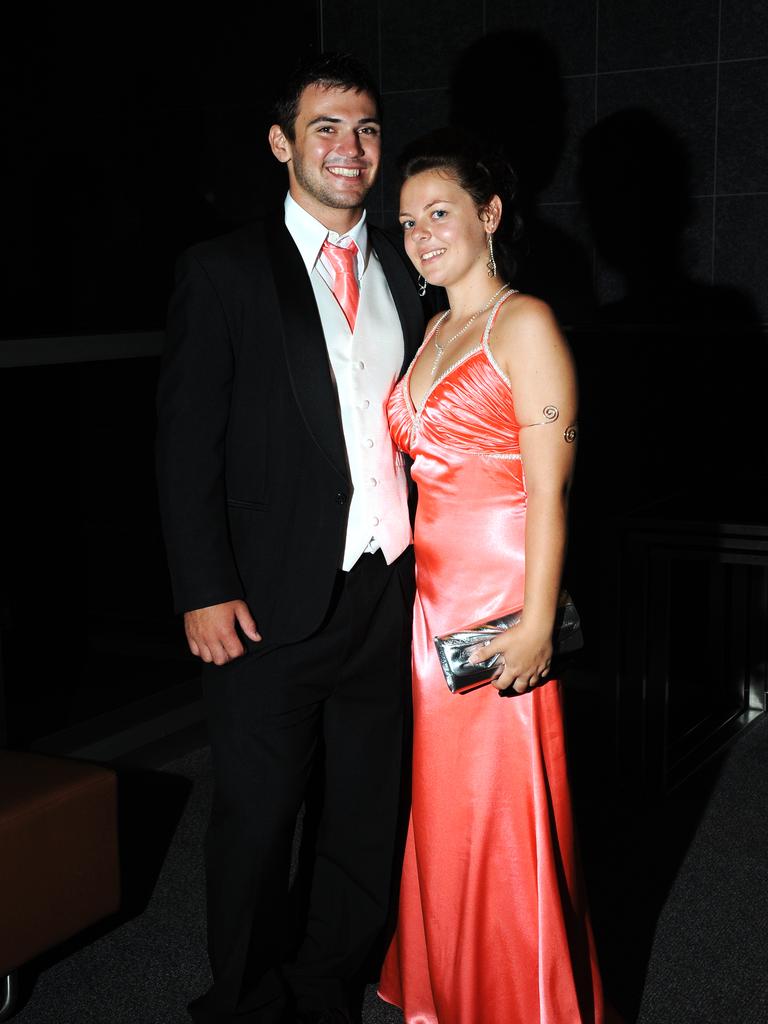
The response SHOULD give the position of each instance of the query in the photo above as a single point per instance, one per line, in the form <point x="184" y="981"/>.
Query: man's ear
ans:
<point x="279" y="144"/>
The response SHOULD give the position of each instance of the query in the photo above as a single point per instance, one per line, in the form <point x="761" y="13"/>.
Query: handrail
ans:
<point x="89" y="348"/>
<point x="80" y="348"/>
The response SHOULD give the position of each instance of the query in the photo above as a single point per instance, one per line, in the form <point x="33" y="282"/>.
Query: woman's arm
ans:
<point x="533" y="353"/>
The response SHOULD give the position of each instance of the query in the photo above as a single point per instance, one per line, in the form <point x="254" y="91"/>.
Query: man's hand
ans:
<point x="211" y="631"/>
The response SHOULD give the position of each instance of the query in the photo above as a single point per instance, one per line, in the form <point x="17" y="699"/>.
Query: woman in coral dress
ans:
<point x="493" y="926"/>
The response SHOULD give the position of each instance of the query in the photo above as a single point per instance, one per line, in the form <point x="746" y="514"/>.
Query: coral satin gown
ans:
<point x="492" y="926"/>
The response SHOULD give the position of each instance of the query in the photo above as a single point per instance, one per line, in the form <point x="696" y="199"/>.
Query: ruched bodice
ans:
<point x="469" y="409"/>
<point x="492" y="928"/>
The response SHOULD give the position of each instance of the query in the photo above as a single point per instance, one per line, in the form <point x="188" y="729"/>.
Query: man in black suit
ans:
<point x="285" y="514"/>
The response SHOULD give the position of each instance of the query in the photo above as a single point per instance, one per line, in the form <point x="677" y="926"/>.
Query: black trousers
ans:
<point x="342" y="693"/>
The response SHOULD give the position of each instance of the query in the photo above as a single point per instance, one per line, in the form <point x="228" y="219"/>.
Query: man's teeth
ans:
<point x="434" y="252"/>
<point x="346" y="172"/>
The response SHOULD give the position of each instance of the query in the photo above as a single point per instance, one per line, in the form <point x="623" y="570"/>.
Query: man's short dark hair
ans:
<point x="330" y="70"/>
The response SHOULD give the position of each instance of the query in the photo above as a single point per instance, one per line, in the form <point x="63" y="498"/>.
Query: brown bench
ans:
<point x="59" y="865"/>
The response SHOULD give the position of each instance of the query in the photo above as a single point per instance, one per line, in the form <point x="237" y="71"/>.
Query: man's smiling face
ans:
<point x="334" y="158"/>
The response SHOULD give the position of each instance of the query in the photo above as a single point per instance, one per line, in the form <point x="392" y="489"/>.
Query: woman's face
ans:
<point x="445" y="233"/>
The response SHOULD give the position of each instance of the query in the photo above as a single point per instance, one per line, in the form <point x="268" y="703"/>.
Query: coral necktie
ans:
<point x="345" y="286"/>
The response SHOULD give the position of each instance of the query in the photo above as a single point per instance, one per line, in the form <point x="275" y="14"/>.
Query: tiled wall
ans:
<point x="542" y="73"/>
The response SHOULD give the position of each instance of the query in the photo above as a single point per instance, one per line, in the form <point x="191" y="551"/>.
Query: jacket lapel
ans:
<point x="403" y="289"/>
<point x="305" y="348"/>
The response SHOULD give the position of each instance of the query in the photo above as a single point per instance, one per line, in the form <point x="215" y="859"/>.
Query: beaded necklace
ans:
<point x="441" y="349"/>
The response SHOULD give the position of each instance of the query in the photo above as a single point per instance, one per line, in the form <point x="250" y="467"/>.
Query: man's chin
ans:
<point x="346" y="200"/>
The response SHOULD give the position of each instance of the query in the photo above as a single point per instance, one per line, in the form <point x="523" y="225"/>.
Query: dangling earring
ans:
<point x="491" y="260"/>
<point x="421" y="283"/>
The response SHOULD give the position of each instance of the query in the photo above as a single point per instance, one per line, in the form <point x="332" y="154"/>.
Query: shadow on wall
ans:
<point x="508" y="87"/>
<point x="671" y="371"/>
<point x="671" y="382"/>
<point x="636" y="183"/>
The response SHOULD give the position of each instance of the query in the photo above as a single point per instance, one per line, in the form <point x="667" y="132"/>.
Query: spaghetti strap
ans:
<point x="493" y="314"/>
<point x="486" y="335"/>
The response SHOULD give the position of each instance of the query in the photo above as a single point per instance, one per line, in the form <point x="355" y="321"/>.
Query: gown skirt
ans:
<point x="493" y="926"/>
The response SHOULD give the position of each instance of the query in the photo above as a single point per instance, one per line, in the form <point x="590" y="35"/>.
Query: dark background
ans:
<point x="132" y="134"/>
<point x="638" y="130"/>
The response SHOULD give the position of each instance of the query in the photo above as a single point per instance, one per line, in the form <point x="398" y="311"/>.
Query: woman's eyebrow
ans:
<point x="435" y="202"/>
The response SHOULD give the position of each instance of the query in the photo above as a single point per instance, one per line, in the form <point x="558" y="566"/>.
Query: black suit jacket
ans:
<point x="253" y="482"/>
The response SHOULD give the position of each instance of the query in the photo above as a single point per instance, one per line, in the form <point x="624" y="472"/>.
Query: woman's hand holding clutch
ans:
<point x="525" y="651"/>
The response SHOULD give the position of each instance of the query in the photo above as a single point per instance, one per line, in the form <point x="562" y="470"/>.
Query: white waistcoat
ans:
<point x="365" y="367"/>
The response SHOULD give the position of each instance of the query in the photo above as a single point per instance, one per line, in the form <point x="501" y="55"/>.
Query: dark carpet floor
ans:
<point x="708" y="964"/>
<point x="709" y="961"/>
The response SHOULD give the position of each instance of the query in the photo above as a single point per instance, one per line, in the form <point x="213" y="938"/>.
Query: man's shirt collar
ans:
<point x="309" y="234"/>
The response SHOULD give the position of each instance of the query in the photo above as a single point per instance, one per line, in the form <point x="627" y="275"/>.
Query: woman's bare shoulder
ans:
<point x="527" y="328"/>
<point x="528" y="313"/>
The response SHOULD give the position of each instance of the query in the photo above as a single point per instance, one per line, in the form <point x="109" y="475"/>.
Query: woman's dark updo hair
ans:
<point x="482" y="173"/>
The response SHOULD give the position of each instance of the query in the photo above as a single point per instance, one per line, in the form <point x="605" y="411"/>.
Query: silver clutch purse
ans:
<point x="454" y="649"/>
